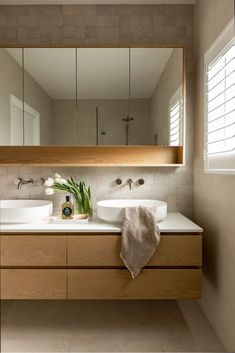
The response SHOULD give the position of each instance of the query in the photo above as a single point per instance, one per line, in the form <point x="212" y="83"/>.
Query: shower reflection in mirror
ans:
<point x="91" y="96"/>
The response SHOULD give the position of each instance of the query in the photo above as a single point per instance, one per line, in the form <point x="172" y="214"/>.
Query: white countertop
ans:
<point x="174" y="222"/>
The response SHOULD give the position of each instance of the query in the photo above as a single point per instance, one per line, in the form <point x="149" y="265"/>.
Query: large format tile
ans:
<point x="106" y="326"/>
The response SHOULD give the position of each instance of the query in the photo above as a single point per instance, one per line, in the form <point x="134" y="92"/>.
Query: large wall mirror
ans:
<point x="91" y="96"/>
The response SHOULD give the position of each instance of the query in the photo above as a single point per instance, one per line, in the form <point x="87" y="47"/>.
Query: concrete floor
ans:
<point x="106" y="326"/>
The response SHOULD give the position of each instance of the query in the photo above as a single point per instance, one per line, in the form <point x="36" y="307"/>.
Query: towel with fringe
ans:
<point x="140" y="238"/>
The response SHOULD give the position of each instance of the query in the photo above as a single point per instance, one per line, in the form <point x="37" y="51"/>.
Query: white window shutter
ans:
<point x="176" y="107"/>
<point x="219" y="128"/>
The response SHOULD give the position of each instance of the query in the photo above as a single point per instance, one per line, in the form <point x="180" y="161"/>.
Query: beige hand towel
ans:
<point x="140" y="238"/>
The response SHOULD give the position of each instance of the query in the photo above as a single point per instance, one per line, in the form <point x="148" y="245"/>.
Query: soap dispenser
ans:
<point x="67" y="209"/>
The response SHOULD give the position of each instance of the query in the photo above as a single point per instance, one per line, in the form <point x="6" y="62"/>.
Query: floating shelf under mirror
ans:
<point x="93" y="156"/>
<point x="92" y="106"/>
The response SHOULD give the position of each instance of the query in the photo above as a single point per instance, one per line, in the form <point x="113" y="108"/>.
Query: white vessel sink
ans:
<point x="24" y="211"/>
<point x="113" y="210"/>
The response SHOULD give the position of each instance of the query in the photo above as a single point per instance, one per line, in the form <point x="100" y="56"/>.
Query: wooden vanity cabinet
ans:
<point x="88" y="266"/>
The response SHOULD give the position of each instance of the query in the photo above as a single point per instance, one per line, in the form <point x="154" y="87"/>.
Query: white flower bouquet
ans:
<point x="81" y="193"/>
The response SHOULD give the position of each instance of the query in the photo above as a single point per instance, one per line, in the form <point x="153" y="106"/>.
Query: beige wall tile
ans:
<point x="108" y="21"/>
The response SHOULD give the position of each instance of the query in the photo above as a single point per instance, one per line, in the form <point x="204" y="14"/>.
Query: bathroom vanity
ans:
<point x="81" y="261"/>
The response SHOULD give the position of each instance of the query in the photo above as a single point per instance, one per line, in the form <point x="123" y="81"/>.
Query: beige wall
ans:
<point x="214" y="194"/>
<point x="170" y="80"/>
<point x="11" y="82"/>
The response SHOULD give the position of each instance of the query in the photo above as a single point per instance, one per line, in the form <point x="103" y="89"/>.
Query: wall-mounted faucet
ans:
<point x="129" y="182"/>
<point x="19" y="182"/>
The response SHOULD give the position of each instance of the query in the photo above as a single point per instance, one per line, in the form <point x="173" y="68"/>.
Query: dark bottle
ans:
<point x="67" y="209"/>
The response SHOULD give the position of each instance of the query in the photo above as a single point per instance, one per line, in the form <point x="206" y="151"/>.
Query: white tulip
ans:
<point x="60" y="181"/>
<point x="49" y="191"/>
<point x="49" y="182"/>
<point x="57" y="176"/>
<point x="63" y="181"/>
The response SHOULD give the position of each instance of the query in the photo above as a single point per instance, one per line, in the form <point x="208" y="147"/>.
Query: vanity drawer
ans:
<point x="33" y="250"/>
<point x="118" y="284"/>
<point x="104" y="250"/>
<point x="33" y="284"/>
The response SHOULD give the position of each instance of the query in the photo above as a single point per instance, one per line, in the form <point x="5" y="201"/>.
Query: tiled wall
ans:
<point x="87" y="24"/>
<point x="167" y="184"/>
<point x="108" y="25"/>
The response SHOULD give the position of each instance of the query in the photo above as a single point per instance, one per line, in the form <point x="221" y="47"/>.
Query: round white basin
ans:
<point x="113" y="210"/>
<point x="24" y="211"/>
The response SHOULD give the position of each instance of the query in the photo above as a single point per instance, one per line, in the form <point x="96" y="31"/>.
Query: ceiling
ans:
<point x="103" y="73"/>
<point x="90" y="2"/>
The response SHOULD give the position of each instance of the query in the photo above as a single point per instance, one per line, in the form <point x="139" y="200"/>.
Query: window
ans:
<point x="176" y="118"/>
<point x="219" y="130"/>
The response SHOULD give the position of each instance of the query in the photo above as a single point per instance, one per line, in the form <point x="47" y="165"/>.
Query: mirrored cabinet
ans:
<point x="91" y="97"/>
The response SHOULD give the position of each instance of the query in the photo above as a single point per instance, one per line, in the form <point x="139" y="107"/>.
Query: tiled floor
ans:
<point x="106" y="326"/>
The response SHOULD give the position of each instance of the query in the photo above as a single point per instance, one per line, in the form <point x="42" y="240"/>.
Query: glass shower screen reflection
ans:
<point x="103" y="95"/>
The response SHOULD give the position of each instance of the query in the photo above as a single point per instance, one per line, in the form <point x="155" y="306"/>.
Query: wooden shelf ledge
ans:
<point x="152" y="156"/>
